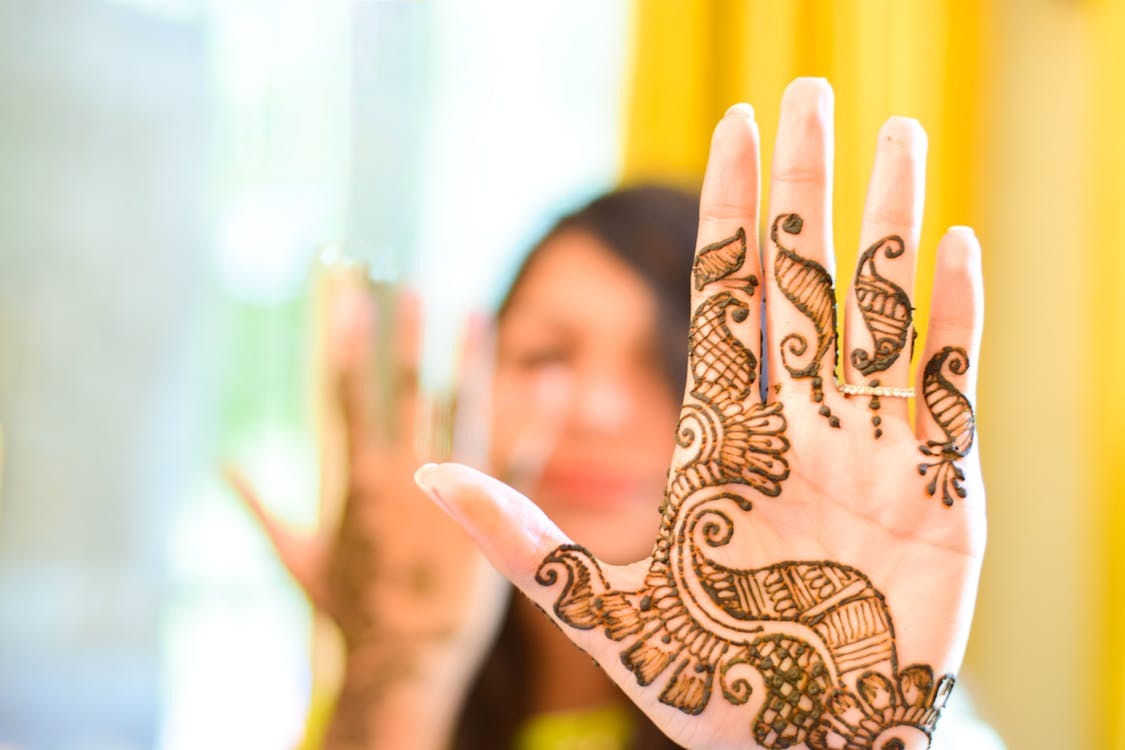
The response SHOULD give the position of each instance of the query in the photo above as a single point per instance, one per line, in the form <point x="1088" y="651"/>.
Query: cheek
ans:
<point x="526" y="405"/>
<point x="656" y="424"/>
<point x="508" y="392"/>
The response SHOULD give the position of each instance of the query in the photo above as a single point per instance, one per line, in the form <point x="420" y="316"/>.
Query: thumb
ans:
<point x="529" y="549"/>
<point x="511" y="530"/>
<point x="300" y="555"/>
<point x="596" y="606"/>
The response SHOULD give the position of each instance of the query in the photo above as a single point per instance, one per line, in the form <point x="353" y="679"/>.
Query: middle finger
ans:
<point x="800" y="302"/>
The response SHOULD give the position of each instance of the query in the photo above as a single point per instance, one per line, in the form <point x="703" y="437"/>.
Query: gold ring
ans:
<point x="875" y="390"/>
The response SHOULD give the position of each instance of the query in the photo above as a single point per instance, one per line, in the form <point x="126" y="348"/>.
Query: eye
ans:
<point x="537" y="358"/>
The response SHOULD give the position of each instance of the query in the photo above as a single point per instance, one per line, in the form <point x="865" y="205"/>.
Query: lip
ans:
<point x="594" y="488"/>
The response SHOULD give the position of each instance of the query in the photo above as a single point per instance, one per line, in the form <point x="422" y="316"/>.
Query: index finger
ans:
<point x="725" y="336"/>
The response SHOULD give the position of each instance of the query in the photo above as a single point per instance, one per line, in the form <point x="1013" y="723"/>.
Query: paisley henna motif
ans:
<point x="884" y="307"/>
<point x="954" y="415"/>
<point x="887" y="314"/>
<point x="808" y="286"/>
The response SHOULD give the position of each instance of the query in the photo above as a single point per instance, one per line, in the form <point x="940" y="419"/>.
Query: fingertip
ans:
<point x="957" y="302"/>
<point x="896" y="192"/>
<point x="351" y="318"/>
<point x="736" y="129"/>
<point x="731" y="183"/>
<point x="809" y="98"/>
<point x="438" y="477"/>
<point x="959" y="252"/>
<point x="804" y="84"/>
<point x="424" y="478"/>
<point x="477" y="337"/>
<point x="463" y="492"/>
<point x="433" y="474"/>
<point x="421" y="476"/>
<point x="741" y="109"/>
<point x="904" y="131"/>
<point x="410" y="300"/>
<point x="478" y="323"/>
<point x="509" y="528"/>
<point x="904" y="144"/>
<point x="802" y="153"/>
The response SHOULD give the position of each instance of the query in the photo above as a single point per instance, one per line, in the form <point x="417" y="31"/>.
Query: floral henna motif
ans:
<point x="881" y="714"/>
<point x="808" y="286"/>
<point x="817" y="634"/>
<point x="954" y="415"/>
<point x="887" y="314"/>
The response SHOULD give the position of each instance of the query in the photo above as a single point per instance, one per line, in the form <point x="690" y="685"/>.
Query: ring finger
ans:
<point x="879" y="330"/>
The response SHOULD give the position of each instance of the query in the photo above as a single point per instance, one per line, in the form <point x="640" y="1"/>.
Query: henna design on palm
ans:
<point x="884" y="306"/>
<point x="808" y="286"/>
<point x="887" y="314"/>
<point x="953" y="413"/>
<point x="818" y="634"/>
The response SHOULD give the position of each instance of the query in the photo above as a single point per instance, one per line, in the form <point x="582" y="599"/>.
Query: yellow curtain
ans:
<point x="1105" y="338"/>
<point x="883" y="57"/>
<point x="1025" y="109"/>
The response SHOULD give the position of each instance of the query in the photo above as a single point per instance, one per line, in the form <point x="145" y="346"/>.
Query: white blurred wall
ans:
<point x="103" y="146"/>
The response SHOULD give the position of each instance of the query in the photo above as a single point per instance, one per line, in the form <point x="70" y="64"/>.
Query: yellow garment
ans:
<point x="601" y="729"/>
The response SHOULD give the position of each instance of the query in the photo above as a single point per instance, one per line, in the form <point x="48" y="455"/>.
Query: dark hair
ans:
<point x="652" y="228"/>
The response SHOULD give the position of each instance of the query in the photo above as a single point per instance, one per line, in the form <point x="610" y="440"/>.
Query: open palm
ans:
<point x="814" y="574"/>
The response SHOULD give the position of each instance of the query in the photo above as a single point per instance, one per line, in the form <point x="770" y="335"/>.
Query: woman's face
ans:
<point x="584" y="414"/>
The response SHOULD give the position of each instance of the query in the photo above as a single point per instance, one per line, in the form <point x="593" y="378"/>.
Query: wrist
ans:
<point x="394" y="694"/>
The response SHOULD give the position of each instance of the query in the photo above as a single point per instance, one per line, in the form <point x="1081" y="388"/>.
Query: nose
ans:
<point x="603" y="401"/>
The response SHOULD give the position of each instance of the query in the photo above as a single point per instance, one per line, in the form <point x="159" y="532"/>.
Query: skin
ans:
<point x="594" y="444"/>
<point x="583" y="324"/>
<point x="415" y="603"/>
<point x="848" y="498"/>
<point x="606" y="417"/>
<point x="582" y="422"/>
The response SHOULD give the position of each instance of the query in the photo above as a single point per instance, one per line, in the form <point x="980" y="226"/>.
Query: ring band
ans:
<point x="876" y="390"/>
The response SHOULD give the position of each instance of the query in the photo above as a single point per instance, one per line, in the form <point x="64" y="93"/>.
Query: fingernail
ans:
<point x="742" y="108"/>
<point x="420" y="480"/>
<point x="907" y="130"/>
<point x="963" y="253"/>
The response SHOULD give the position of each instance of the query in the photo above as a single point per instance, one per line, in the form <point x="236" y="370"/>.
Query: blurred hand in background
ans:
<point x="415" y="603"/>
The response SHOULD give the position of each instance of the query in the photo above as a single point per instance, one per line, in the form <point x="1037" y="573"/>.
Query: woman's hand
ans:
<point x="814" y="575"/>
<point x="416" y="603"/>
